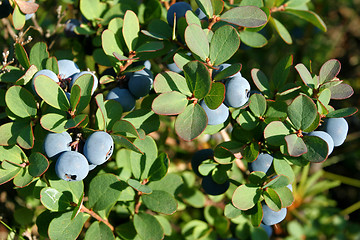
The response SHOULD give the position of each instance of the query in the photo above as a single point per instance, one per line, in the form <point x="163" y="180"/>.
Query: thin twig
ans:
<point x="96" y="216"/>
<point x="11" y="31"/>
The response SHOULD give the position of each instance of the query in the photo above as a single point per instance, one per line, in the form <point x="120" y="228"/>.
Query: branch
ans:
<point x="11" y="31"/>
<point x="96" y="216"/>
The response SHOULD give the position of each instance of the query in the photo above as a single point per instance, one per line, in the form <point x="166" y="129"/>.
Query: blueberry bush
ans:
<point x="160" y="119"/>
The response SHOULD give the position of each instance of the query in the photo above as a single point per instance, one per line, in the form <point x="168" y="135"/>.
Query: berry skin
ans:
<point x="72" y="166"/>
<point x="28" y="16"/>
<point x="45" y="72"/>
<point x="216" y="116"/>
<point x="57" y="143"/>
<point x="326" y="137"/>
<point x="213" y="188"/>
<point x="140" y="85"/>
<point x="70" y="26"/>
<point x="337" y="128"/>
<point x="271" y="217"/>
<point x="262" y="163"/>
<point x="98" y="147"/>
<point x="199" y="157"/>
<point x="267" y="228"/>
<point x="77" y="75"/>
<point x="237" y="91"/>
<point x="124" y="97"/>
<point x="173" y="67"/>
<point x="200" y="14"/>
<point x="67" y="68"/>
<point x="180" y="9"/>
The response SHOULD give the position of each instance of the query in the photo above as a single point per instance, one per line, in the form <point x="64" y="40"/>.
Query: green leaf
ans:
<point x="145" y="119"/>
<point x="302" y="112"/>
<point x="102" y="111"/>
<point x="278" y="182"/>
<point x="198" y="79"/>
<point x="251" y="151"/>
<point x="23" y="178"/>
<point x="131" y="29"/>
<point x="104" y="191"/>
<point x="159" y="168"/>
<point x="308" y="16"/>
<point x="54" y="122"/>
<point x="92" y="9"/>
<point x="85" y="82"/>
<point x="295" y="145"/>
<point x="282" y="167"/>
<point x="159" y="29"/>
<point x="76" y="188"/>
<point x="344" y="112"/>
<point x="124" y="127"/>
<point x="317" y="149"/>
<point x="341" y="91"/>
<point x="160" y="201"/>
<point x="99" y="231"/>
<point x="170" y="183"/>
<point x="113" y="112"/>
<point x="25" y="139"/>
<point x="329" y="70"/>
<point x="231" y="212"/>
<point x="191" y="18"/>
<point x="151" y="46"/>
<point x="218" y="6"/>
<point x="285" y="195"/>
<point x="281" y="72"/>
<point x="148" y="227"/>
<point x="257" y="177"/>
<point x="245" y="16"/>
<point x="224" y="44"/>
<point x="247" y="120"/>
<point x="191" y="122"/>
<point x="245" y="197"/>
<point x="75" y="97"/>
<point x="139" y="187"/>
<point x="196" y="41"/>
<point x="228" y="72"/>
<point x="165" y="223"/>
<point x="18" y="18"/>
<point x="170" y="81"/>
<point x="21" y="55"/>
<point x="141" y="163"/>
<point x="305" y="75"/>
<point x="216" y="95"/>
<point x="76" y="121"/>
<point x="256" y="215"/>
<point x="52" y="64"/>
<point x="7" y="175"/>
<point x="257" y="104"/>
<point x="169" y="103"/>
<point x="281" y="30"/>
<point x="55" y="200"/>
<point x="224" y="152"/>
<point x="253" y="39"/>
<point x="27" y="76"/>
<point x="38" y="164"/>
<point x="51" y="92"/>
<point x="70" y="229"/>
<point x="20" y="102"/>
<point x="111" y="43"/>
<point x="261" y="81"/>
<point x="272" y="199"/>
<point x="180" y="59"/>
<point x="12" y="76"/>
<point x="206" y="7"/>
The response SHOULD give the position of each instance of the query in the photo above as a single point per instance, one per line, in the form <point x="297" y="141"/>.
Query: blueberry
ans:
<point x="67" y="68"/>
<point x="124" y="97"/>
<point x="200" y="14"/>
<point x="72" y="166"/>
<point x="326" y="137"/>
<point x="5" y="9"/>
<point x="199" y="157"/>
<point x="271" y="217"/>
<point x="47" y="73"/>
<point x="140" y="85"/>
<point x="77" y="75"/>
<point x="174" y="68"/>
<point x="92" y="166"/>
<point x="144" y="72"/>
<point x="213" y="188"/>
<point x="216" y="116"/>
<point x="179" y="9"/>
<point x="147" y="64"/>
<point x="237" y="91"/>
<point x="70" y="26"/>
<point x="289" y="186"/>
<point x="337" y="128"/>
<point x="57" y="143"/>
<point x="28" y="16"/>
<point x="262" y="163"/>
<point x="98" y="147"/>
